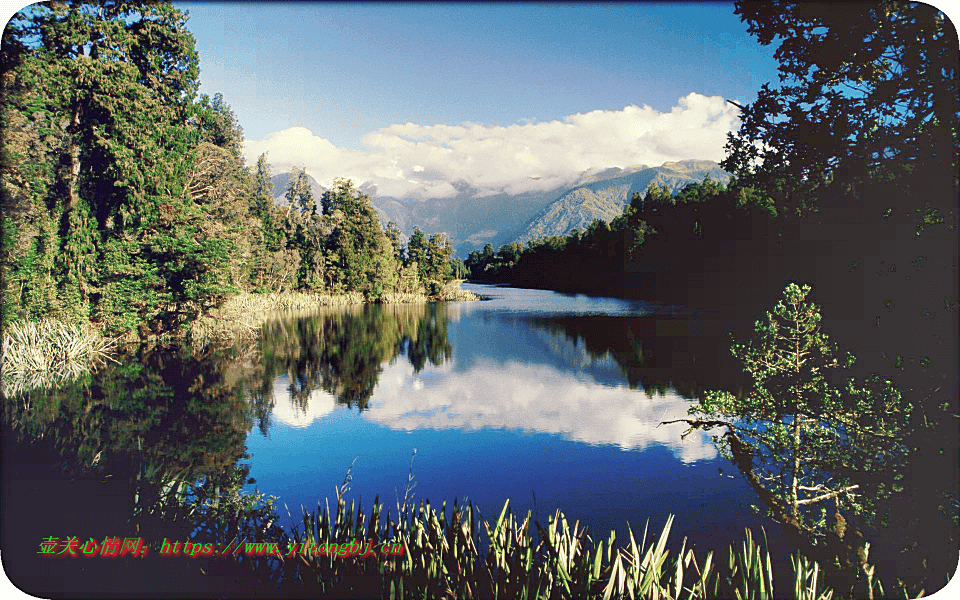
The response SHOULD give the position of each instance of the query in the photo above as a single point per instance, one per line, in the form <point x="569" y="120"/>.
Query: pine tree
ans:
<point x="804" y="440"/>
<point x="116" y="83"/>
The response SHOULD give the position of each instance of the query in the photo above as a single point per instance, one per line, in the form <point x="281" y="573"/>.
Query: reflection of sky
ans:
<point x="518" y="412"/>
<point x="518" y="301"/>
<point x="537" y="398"/>
<point x="287" y="412"/>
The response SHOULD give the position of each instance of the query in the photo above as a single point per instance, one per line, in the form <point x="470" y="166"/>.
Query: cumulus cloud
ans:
<point x="429" y="161"/>
<point x="533" y="398"/>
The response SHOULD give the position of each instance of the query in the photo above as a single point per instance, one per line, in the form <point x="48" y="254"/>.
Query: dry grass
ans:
<point x="242" y="316"/>
<point x="452" y="293"/>
<point x="49" y="353"/>
<point x="405" y="298"/>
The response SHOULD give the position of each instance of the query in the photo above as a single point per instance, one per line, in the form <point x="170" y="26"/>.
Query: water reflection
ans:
<point x="150" y="448"/>
<point x="574" y="375"/>
<point x="342" y="351"/>
<point x="538" y="398"/>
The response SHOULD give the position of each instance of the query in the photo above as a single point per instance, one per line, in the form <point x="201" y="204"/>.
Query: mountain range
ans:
<point x="472" y="220"/>
<point x="605" y="198"/>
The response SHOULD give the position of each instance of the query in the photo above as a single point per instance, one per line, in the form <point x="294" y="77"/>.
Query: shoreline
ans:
<point x="243" y="314"/>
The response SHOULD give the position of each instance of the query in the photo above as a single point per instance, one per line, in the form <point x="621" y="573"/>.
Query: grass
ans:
<point x="464" y="555"/>
<point x="459" y="553"/>
<point x="242" y="315"/>
<point x="48" y="353"/>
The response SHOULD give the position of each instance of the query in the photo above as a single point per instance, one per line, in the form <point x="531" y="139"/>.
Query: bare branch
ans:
<point x="828" y="496"/>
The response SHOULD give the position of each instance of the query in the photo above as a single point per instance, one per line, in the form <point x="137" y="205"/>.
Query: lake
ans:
<point x="551" y="401"/>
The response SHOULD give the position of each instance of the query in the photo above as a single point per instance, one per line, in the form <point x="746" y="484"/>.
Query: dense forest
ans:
<point x="125" y="198"/>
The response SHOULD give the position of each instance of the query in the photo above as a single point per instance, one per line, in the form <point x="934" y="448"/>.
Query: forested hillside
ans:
<point x="125" y="200"/>
<point x="605" y="197"/>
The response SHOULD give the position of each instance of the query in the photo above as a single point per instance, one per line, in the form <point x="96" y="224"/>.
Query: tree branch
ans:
<point x="827" y="496"/>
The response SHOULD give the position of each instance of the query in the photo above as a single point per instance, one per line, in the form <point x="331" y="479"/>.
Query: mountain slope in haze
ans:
<point x="471" y="220"/>
<point x="282" y="181"/>
<point x="605" y="199"/>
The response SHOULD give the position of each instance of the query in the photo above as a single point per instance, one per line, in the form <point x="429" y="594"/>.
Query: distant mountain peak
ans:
<point x="604" y="197"/>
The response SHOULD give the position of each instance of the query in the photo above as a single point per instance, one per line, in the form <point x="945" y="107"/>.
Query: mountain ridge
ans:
<point x="604" y="199"/>
<point x="471" y="219"/>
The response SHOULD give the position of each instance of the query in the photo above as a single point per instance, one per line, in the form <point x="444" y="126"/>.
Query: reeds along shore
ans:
<point x="242" y="315"/>
<point x="48" y="353"/>
<point x="463" y="555"/>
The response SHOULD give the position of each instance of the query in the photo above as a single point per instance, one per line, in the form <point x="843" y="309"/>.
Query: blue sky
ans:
<point x="429" y="100"/>
<point x="420" y="99"/>
<point x="426" y="100"/>
<point x="345" y="70"/>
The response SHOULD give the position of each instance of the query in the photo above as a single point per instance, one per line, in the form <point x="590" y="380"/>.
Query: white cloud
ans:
<point x="533" y="398"/>
<point x="286" y="411"/>
<point x="427" y="160"/>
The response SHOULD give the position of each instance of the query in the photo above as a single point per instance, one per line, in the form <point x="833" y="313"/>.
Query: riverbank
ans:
<point x="48" y="353"/>
<point x="242" y="315"/>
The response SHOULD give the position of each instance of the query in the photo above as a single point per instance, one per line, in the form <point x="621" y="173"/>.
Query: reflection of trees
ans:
<point x="655" y="353"/>
<point x="342" y="352"/>
<point x="152" y="426"/>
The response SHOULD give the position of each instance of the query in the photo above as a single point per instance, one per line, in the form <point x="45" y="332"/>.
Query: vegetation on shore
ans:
<point x="459" y="553"/>
<point x="242" y="315"/>
<point x="126" y="199"/>
<point x="48" y="353"/>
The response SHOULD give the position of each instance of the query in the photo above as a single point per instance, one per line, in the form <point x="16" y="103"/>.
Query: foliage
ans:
<point x="464" y="555"/>
<point x="105" y="96"/>
<point x="866" y="91"/>
<point x="124" y="195"/>
<point x="805" y="440"/>
<point x="48" y="353"/>
<point x="361" y="257"/>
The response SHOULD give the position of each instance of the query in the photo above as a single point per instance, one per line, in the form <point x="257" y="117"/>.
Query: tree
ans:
<point x="262" y="198"/>
<point x="802" y="440"/>
<point x="867" y="90"/>
<point x="108" y="90"/>
<point x="417" y="253"/>
<point x="393" y="234"/>
<point x="437" y="271"/>
<point x="360" y="257"/>
<point x="299" y="195"/>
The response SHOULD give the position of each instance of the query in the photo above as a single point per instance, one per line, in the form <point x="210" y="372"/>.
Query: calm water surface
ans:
<point x="552" y="401"/>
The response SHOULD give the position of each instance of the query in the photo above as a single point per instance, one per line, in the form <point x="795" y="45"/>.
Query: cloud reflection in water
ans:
<point x="536" y="398"/>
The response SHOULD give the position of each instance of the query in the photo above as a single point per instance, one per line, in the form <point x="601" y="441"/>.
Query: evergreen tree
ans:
<point x="417" y="253"/>
<point x="805" y="441"/>
<point x="360" y="256"/>
<point x="299" y="195"/>
<point x="437" y="271"/>
<point x="119" y="81"/>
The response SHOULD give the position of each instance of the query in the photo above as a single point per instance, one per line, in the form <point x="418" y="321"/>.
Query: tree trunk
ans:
<point x="794" y="499"/>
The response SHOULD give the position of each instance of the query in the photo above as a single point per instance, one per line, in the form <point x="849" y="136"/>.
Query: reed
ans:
<point x="459" y="553"/>
<point x="464" y="555"/>
<point x="49" y="353"/>
<point x="451" y="292"/>
<point x="242" y="315"/>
